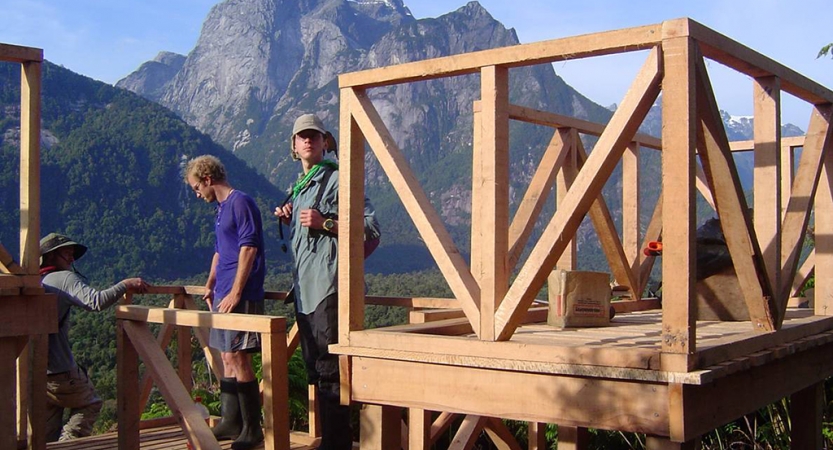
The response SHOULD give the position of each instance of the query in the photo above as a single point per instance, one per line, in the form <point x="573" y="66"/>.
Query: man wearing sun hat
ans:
<point x="67" y="385"/>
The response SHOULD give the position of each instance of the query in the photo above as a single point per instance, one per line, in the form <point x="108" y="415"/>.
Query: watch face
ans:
<point x="329" y="224"/>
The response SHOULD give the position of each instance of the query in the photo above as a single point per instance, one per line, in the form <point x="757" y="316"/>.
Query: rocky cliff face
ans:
<point x="152" y="78"/>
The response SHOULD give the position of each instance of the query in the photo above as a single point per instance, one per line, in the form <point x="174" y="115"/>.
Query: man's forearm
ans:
<point x="245" y="262"/>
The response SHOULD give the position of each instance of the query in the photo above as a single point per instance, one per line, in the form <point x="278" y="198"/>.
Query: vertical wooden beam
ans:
<point x="314" y="416"/>
<point x="806" y="412"/>
<point x="380" y="427"/>
<point x="573" y="438"/>
<point x="8" y="392"/>
<point x="537" y="436"/>
<point x="127" y="366"/>
<point x="787" y="175"/>
<point x="630" y="206"/>
<point x="563" y="180"/>
<point x="419" y="429"/>
<point x="38" y="359"/>
<point x="275" y="389"/>
<point x="652" y="233"/>
<point x="824" y="238"/>
<point x="767" y="175"/>
<point x="476" y="202"/>
<point x="679" y="136"/>
<point x="183" y="348"/>
<point x="351" y="223"/>
<point x="30" y="116"/>
<point x="493" y="191"/>
<point x="22" y="397"/>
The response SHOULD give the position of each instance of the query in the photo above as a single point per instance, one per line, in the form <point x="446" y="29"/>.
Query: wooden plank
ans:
<point x="549" y="119"/>
<point x="20" y="54"/>
<point x="617" y="405"/>
<point x="501" y="437"/>
<point x="163" y="338"/>
<point x="175" y="395"/>
<point x="419" y="429"/>
<point x="275" y="392"/>
<point x="584" y="192"/>
<point x="127" y="366"/>
<point x="766" y="95"/>
<point x="536" y="194"/>
<point x="493" y="192"/>
<point x="30" y="118"/>
<point x="451" y="263"/>
<point x="183" y="347"/>
<point x="380" y="427"/>
<point x="745" y="60"/>
<point x="787" y="174"/>
<point x="709" y="406"/>
<point x="749" y="146"/>
<point x="703" y="187"/>
<point x="563" y="181"/>
<point x="476" y="202"/>
<point x="351" y="221"/>
<point x="413" y="302"/>
<point x="23" y="315"/>
<point x="38" y="359"/>
<point x="678" y="168"/>
<point x="442" y="423"/>
<point x="823" y="203"/>
<point x="806" y="413"/>
<point x="652" y="234"/>
<point x="797" y="216"/>
<point x="537" y="436"/>
<point x="618" y="41"/>
<point x="732" y="208"/>
<point x="630" y="209"/>
<point x="9" y="391"/>
<point x="804" y="273"/>
<point x="573" y="438"/>
<point x="248" y="322"/>
<point x="22" y="400"/>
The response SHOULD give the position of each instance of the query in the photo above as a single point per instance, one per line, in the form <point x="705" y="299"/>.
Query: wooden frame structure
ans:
<point x="661" y="373"/>
<point x="27" y="313"/>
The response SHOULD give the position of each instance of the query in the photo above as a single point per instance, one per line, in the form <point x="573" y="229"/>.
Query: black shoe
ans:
<point x="231" y="423"/>
<point x="249" y="395"/>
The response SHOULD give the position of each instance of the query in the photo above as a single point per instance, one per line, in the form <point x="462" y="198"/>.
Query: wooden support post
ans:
<point x="573" y="438"/>
<point x="787" y="175"/>
<point x="380" y="427"/>
<point x="630" y="208"/>
<point x="275" y="391"/>
<point x="563" y="180"/>
<point x="493" y="191"/>
<point x="767" y="175"/>
<point x="38" y="361"/>
<point x="663" y="443"/>
<point x="678" y="172"/>
<point x="30" y="117"/>
<point x="351" y="222"/>
<point x="22" y="396"/>
<point x="127" y="365"/>
<point x="314" y="416"/>
<point x="419" y="429"/>
<point x="824" y="238"/>
<point x="806" y="412"/>
<point x="8" y="392"/>
<point x="183" y="347"/>
<point x="537" y="436"/>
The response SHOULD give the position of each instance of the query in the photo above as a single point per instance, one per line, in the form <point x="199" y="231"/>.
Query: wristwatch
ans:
<point x="328" y="225"/>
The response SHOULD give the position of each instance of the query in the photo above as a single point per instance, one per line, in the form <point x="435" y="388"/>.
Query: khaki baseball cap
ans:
<point x="308" y="122"/>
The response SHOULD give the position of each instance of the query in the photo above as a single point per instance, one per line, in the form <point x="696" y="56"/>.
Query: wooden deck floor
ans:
<point x="163" y="438"/>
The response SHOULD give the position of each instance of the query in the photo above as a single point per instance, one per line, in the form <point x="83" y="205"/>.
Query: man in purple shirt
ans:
<point x="235" y="285"/>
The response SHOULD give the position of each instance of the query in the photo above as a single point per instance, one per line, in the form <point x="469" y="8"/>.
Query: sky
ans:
<point x="108" y="39"/>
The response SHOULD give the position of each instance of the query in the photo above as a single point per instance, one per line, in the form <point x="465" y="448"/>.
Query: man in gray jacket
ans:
<point x="67" y="385"/>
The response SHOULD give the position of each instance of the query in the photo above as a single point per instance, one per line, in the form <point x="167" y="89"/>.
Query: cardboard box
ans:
<point x="578" y="299"/>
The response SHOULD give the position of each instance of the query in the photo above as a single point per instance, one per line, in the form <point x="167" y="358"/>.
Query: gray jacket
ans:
<point x="73" y="291"/>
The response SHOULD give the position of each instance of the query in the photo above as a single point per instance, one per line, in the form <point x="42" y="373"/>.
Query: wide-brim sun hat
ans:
<point x="54" y="241"/>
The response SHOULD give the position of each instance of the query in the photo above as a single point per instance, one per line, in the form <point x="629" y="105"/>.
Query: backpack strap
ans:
<point x="320" y="194"/>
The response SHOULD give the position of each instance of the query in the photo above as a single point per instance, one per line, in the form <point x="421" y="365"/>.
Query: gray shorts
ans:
<point x="234" y="340"/>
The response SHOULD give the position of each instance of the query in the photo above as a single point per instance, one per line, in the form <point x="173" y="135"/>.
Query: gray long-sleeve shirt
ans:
<point x="73" y="291"/>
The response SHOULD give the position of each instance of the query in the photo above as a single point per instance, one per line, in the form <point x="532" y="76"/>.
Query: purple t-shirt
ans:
<point x="238" y="225"/>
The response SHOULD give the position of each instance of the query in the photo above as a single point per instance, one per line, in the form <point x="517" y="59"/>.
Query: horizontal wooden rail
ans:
<point x="18" y="54"/>
<point x="155" y="314"/>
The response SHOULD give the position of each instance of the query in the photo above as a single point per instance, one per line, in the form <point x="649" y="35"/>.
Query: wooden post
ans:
<point x="351" y="223"/>
<point x="30" y="116"/>
<point x="573" y="438"/>
<point x="678" y="172"/>
<point x="8" y="388"/>
<point x="419" y="429"/>
<point x="824" y="237"/>
<point x="38" y="360"/>
<point x="537" y="434"/>
<point x="806" y="412"/>
<point x="275" y="389"/>
<point x="183" y="347"/>
<point x="493" y="193"/>
<point x="380" y="427"/>
<point x="630" y="208"/>
<point x="22" y="397"/>
<point x="767" y="176"/>
<point x="127" y="366"/>
<point x="663" y="443"/>
<point x="563" y="181"/>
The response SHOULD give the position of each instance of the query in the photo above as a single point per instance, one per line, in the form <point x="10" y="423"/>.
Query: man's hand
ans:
<point x="312" y="218"/>
<point x="228" y="304"/>
<point x="208" y="296"/>
<point x="284" y="213"/>
<point x="136" y="285"/>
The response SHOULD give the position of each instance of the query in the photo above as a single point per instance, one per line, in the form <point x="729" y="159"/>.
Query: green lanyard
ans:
<point x="302" y="183"/>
